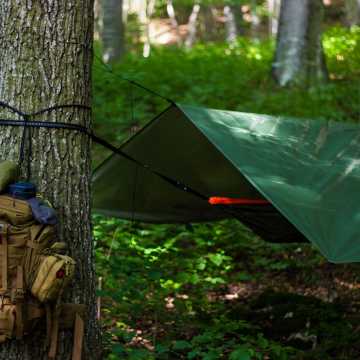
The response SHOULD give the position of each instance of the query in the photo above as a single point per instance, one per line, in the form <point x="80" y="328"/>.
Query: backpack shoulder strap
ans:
<point x="78" y="337"/>
<point x="4" y="257"/>
<point x="54" y="332"/>
<point x="18" y="297"/>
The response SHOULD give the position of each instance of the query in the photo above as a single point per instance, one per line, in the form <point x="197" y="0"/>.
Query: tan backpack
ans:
<point x="33" y="276"/>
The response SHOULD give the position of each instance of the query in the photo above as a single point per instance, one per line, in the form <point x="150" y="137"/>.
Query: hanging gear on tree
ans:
<point x="34" y="270"/>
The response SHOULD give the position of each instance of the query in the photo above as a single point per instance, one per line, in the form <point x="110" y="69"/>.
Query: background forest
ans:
<point x="214" y="290"/>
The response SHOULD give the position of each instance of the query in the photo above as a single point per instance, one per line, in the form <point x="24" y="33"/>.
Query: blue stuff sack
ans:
<point x="22" y="190"/>
<point x="42" y="213"/>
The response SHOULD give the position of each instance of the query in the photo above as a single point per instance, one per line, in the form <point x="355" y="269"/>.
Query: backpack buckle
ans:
<point x="3" y="231"/>
<point x="17" y="295"/>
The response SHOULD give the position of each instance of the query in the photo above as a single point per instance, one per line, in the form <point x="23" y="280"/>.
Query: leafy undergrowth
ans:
<point x="214" y="291"/>
<point x="235" y="77"/>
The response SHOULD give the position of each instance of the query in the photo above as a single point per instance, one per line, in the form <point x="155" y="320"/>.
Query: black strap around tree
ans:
<point x="109" y="69"/>
<point x="27" y="124"/>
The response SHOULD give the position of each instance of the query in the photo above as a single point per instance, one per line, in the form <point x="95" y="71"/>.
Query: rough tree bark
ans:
<point x="299" y="54"/>
<point x="112" y="32"/>
<point x="46" y="52"/>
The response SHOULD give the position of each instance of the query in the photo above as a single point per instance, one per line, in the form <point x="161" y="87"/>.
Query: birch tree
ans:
<point x="231" y="30"/>
<point x="192" y="26"/>
<point x="274" y="10"/>
<point x="46" y="52"/>
<point x="174" y="24"/>
<point x="150" y="7"/>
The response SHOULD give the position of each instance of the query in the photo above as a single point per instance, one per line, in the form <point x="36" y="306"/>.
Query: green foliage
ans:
<point x="167" y="295"/>
<point x="342" y="47"/>
<point x="167" y="289"/>
<point x="178" y="275"/>
<point x="235" y="77"/>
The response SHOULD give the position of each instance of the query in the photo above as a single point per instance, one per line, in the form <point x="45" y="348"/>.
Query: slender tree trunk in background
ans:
<point x="97" y="20"/>
<point x="231" y="31"/>
<point x="137" y="7"/>
<point x="192" y="26"/>
<point x="299" y="54"/>
<point x="112" y="34"/>
<point x="352" y="9"/>
<point x="209" y="23"/>
<point x="255" y="20"/>
<point x="171" y="13"/>
<point x="46" y="53"/>
<point x="239" y="20"/>
<point x="150" y="7"/>
<point x="274" y="11"/>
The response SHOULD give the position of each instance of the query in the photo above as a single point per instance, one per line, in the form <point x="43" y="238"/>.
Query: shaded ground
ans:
<point x="186" y="299"/>
<point x="317" y="312"/>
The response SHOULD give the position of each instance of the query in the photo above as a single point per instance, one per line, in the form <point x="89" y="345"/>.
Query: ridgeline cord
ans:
<point x="109" y="70"/>
<point x="5" y="105"/>
<point x="132" y="82"/>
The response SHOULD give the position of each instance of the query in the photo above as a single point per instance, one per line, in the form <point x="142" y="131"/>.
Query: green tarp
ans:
<point x="309" y="171"/>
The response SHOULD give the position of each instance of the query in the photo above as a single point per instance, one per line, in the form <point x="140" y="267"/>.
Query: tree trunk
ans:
<point x="97" y="20"/>
<point x="149" y="12"/>
<point x="274" y="10"/>
<point x="209" y="28"/>
<point x="137" y="7"/>
<point x="112" y="33"/>
<point x="231" y="31"/>
<point x="255" y="20"/>
<point x="299" y="54"/>
<point x="174" y="24"/>
<point x="46" y="52"/>
<point x="192" y="26"/>
<point x="352" y="9"/>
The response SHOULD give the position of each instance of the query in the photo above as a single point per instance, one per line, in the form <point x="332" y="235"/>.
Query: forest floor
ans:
<point x="316" y="310"/>
<point x="245" y="300"/>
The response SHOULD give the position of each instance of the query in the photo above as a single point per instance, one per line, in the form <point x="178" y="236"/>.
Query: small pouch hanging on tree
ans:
<point x="53" y="275"/>
<point x="42" y="212"/>
<point x="9" y="172"/>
